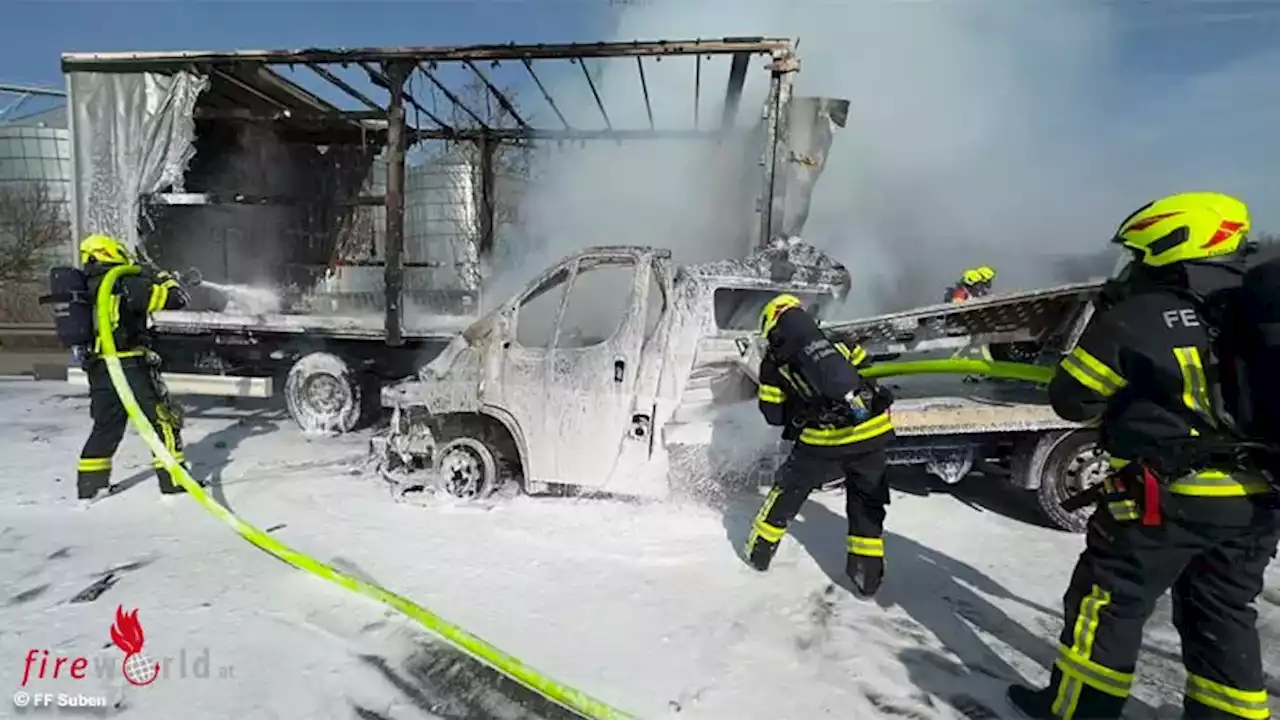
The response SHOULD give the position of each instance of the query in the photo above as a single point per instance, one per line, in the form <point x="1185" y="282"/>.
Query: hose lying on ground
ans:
<point x="567" y="697"/>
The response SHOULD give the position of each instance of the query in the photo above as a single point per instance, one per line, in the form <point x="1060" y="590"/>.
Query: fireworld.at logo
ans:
<point x="126" y="633"/>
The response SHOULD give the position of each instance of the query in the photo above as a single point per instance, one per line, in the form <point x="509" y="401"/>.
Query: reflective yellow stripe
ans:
<point x="93" y="464"/>
<point x="1116" y="463"/>
<point x="1124" y="509"/>
<point x="160" y="295"/>
<point x="157" y="463"/>
<point x="857" y="356"/>
<point x="761" y="530"/>
<point x="1195" y="386"/>
<point x="827" y="437"/>
<point x="771" y="394"/>
<point x="1078" y="669"/>
<point x="986" y="353"/>
<point x="113" y="316"/>
<point x="1216" y="483"/>
<point x="796" y="382"/>
<point x="866" y="546"/>
<point x="1250" y="704"/>
<point x="1092" y="373"/>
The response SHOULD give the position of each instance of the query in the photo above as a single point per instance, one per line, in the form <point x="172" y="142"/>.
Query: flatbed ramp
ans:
<point x="965" y="415"/>
<point x="185" y="322"/>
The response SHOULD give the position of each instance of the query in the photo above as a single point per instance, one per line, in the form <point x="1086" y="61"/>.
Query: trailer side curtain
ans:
<point x="132" y="134"/>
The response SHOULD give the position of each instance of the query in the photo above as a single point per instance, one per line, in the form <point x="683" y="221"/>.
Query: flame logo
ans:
<point x="126" y="633"/>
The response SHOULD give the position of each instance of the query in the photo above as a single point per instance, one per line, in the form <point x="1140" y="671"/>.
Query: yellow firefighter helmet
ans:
<point x="1187" y="227"/>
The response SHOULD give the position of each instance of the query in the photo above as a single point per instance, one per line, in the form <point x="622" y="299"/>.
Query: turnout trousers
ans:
<point x="1215" y="572"/>
<point x="866" y="499"/>
<point x="110" y="421"/>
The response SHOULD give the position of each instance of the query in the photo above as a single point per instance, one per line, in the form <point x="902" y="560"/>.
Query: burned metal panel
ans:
<point x="134" y="134"/>
<point x="811" y="128"/>
<point x="1050" y="316"/>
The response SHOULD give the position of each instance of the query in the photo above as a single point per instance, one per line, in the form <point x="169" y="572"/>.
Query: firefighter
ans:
<point x="840" y="422"/>
<point x="986" y="276"/>
<point x="964" y="289"/>
<point x="134" y="298"/>
<point x="1179" y="511"/>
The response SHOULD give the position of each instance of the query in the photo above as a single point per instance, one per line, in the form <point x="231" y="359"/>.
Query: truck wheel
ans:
<point x="1073" y="464"/>
<point x="323" y="394"/>
<point x="467" y="469"/>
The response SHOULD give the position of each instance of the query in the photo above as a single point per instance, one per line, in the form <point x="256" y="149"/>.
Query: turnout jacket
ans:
<point x="133" y="299"/>
<point x="782" y="404"/>
<point x="1140" y="372"/>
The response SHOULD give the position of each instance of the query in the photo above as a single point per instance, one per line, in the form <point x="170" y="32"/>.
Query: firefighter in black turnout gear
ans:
<point x="133" y="299"/>
<point x="1187" y="506"/>
<point x="840" y="424"/>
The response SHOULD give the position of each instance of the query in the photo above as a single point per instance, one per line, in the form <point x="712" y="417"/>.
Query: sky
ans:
<point x="978" y="128"/>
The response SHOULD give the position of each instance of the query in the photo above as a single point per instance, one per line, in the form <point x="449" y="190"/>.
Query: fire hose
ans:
<point x="473" y="646"/>
<point x="961" y="366"/>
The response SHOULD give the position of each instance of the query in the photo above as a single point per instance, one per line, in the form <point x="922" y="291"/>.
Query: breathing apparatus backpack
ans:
<point x="1249" y="351"/>
<point x="72" y="308"/>
<point x="821" y="375"/>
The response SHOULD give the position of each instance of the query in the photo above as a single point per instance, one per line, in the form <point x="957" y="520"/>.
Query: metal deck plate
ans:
<point x="1041" y="316"/>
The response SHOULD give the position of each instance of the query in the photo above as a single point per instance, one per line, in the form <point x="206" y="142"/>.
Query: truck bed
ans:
<point x="441" y="327"/>
<point x="963" y="415"/>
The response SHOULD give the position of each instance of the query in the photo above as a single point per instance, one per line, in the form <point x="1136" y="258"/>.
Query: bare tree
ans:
<point x="33" y="228"/>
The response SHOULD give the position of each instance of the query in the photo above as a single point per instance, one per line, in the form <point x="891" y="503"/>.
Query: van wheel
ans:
<point x="467" y="469"/>
<point x="324" y="395"/>
<point x="1074" y="464"/>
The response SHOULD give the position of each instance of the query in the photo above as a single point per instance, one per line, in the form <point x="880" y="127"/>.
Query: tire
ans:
<point x="1073" y="464"/>
<point x="467" y="469"/>
<point x="324" y="395"/>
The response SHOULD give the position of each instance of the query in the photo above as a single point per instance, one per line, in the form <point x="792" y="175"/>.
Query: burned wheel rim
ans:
<point x="326" y="393"/>
<point x="467" y="469"/>
<point x="1085" y="469"/>
<point x="1073" y="464"/>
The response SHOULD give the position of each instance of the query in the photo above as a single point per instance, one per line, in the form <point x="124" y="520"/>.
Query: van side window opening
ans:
<point x="739" y="308"/>
<point x="598" y="302"/>
<point x="536" y="316"/>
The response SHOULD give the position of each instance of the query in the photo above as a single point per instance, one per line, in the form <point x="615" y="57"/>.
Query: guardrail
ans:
<point x="41" y="330"/>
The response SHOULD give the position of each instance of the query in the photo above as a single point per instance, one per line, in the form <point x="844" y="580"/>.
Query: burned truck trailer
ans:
<point x="260" y="168"/>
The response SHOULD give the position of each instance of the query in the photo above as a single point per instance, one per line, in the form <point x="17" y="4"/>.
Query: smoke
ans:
<point x="1006" y="134"/>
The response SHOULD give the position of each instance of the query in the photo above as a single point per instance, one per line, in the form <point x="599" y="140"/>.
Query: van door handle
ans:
<point x="619" y="370"/>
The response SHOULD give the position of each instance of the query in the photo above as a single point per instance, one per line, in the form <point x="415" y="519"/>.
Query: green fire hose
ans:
<point x="563" y="695"/>
<point x="961" y="366"/>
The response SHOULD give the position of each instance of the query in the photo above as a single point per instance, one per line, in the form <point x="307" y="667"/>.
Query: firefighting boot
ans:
<point x="760" y="553"/>
<point x="1032" y="703"/>
<point x="169" y="487"/>
<point x="765" y="535"/>
<point x="89" y="485"/>
<point x="867" y="573"/>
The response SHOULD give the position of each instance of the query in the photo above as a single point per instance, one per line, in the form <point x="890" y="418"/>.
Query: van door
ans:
<point x="595" y="364"/>
<point x="517" y="363"/>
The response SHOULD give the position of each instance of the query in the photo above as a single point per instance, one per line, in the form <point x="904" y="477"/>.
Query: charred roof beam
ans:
<point x="277" y="104"/>
<point x="382" y="80"/>
<point x="733" y="93"/>
<point x="644" y="85"/>
<point x="497" y="94"/>
<point x="449" y="94"/>
<point x="528" y="65"/>
<point x="344" y="86"/>
<point x="571" y="134"/>
<point x="595" y="93"/>
<point x="722" y="46"/>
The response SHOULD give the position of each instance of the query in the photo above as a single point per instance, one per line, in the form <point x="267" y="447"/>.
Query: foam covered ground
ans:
<point x="644" y="606"/>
